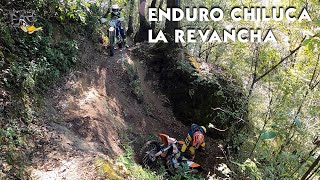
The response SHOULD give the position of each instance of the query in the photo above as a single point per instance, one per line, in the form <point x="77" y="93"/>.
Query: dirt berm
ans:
<point x="198" y="92"/>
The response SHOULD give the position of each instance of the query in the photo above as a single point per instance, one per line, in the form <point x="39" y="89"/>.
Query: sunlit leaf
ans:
<point x="268" y="135"/>
<point x="298" y="122"/>
<point x="306" y="42"/>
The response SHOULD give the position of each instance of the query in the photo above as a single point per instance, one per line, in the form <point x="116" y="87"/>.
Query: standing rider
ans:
<point x="115" y="14"/>
<point x="194" y="140"/>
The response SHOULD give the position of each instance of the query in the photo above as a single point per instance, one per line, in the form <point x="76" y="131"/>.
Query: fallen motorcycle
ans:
<point x="167" y="152"/>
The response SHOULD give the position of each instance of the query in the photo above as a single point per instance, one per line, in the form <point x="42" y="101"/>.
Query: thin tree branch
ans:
<point x="317" y="169"/>
<point x="280" y="62"/>
<point x="314" y="164"/>
<point x="268" y="117"/>
<point x="254" y="75"/>
<point x="299" y="109"/>
<point x="229" y="112"/>
<point x="209" y="48"/>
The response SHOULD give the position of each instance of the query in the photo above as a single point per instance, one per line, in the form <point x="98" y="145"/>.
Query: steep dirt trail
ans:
<point x="90" y="113"/>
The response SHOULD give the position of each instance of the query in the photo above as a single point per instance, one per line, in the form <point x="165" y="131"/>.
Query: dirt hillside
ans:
<point x="93" y="112"/>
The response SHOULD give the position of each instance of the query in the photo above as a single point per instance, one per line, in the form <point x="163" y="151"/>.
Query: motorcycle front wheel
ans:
<point x="171" y="168"/>
<point x="111" y="42"/>
<point x="111" y="50"/>
<point x="148" y="152"/>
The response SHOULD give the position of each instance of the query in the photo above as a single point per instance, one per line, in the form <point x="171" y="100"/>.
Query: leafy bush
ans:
<point x="135" y="83"/>
<point x="126" y="167"/>
<point x="11" y="139"/>
<point x="39" y="62"/>
<point x="189" y="176"/>
<point x="81" y="11"/>
<point x="29" y="66"/>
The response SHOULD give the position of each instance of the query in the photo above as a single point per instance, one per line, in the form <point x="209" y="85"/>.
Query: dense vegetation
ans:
<point x="30" y="64"/>
<point x="282" y="84"/>
<point x="281" y="80"/>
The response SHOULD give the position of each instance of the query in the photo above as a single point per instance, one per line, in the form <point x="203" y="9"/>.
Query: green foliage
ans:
<point x="11" y="140"/>
<point x="283" y="102"/>
<point x="133" y="76"/>
<point x="312" y="42"/>
<point x="126" y="167"/>
<point x="73" y="10"/>
<point x="30" y="63"/>
<point x="298" y="122"/>
<point x="82" y="11"/>
<point x="250" y="168"/>
<point x="185" y="66"/>
<point x="188" y="176"/>
<point x="268" y="134"/>
<point x="39" y="62"/>
<point x="5" y="37"/>
<point x="136" y="170"/>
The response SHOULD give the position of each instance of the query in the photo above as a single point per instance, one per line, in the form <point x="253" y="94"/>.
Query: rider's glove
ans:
<point x="177" y="156"/>
<point x="192" y="157"/>
<point x="103" y="20"/>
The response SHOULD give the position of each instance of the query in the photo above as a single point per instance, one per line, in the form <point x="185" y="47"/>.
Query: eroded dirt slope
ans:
<point x="88" y="115"/>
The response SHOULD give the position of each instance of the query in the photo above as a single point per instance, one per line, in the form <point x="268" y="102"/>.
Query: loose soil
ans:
<point x="92" y="113"/>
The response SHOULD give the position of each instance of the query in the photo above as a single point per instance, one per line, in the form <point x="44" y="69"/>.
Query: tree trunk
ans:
<point x="161" y="3"/>
<point x="312" y="84"/>
<point x="315" y="171"/>
<point x="130" y="22"/>
<point x="258" y="78"/>
<point x="313" y="165"/>
<point x="304" y="160"/>
<point x="142" y="34"/>
<point x="171" y="25"/>
<point x="109" y="9"/>
<point x="153" y="23"/>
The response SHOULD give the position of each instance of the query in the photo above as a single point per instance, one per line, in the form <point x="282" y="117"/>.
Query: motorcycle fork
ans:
<point x="163" y="152"/>
<point x="112" y="36"/>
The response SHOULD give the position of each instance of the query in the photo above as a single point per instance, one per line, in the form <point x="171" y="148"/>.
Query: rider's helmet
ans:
<point x="198" y="139"/>
<point x="203" y="129"/>
<point x="115" y="9"/>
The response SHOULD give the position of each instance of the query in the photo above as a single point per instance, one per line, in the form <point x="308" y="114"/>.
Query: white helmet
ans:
<point x="115" y="7"/>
